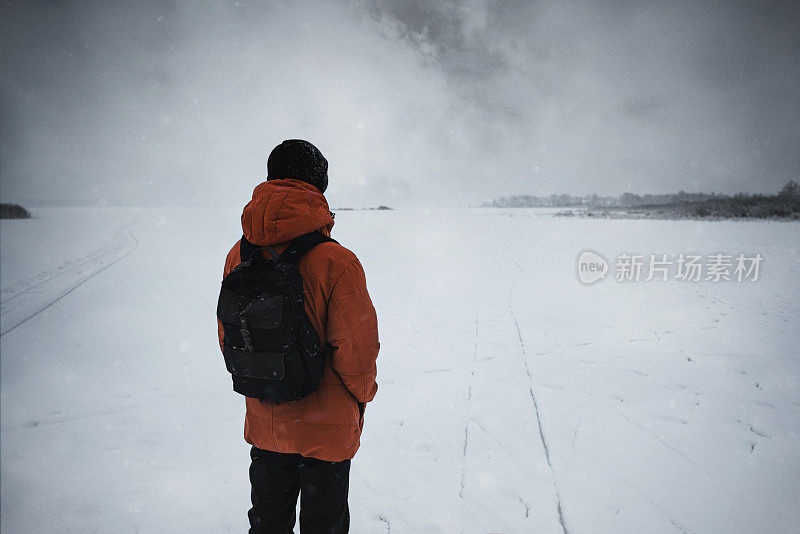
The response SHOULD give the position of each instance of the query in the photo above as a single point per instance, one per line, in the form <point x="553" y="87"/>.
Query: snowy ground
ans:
<point x="511" y="397"/>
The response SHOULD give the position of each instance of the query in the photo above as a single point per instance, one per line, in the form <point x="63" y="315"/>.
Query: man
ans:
<point x="304" y="447"/>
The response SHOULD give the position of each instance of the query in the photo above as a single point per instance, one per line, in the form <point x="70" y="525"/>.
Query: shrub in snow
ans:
<point x="13" y="211"/>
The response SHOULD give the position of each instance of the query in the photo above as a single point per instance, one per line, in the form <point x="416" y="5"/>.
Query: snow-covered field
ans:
<point x="511" y="397"/>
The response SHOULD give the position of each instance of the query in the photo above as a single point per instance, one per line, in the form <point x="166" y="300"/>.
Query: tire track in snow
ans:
<point x="28" y="298"/>
<point x="469" y="413"/>
<point x="524" y="354"/>
<point x="78" y="264"/>
<point x="561" y="351"/>
<point x="641" y="427"/>
<point x="660" y="508"/>
<point x="485" y="452"/>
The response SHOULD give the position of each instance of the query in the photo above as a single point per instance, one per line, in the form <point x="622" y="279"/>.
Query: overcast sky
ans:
<point x="412" y="102"/>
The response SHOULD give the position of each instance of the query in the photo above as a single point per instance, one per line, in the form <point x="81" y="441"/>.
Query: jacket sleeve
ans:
<point x="352" y="331"/>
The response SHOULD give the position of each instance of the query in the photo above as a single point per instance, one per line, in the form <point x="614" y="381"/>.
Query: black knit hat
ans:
<point x="298" y="160"/>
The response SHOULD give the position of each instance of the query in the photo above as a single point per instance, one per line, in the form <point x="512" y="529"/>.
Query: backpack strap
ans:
<point x="246" y="250"/>
<point x="297" y="247"/>
<point x="304" y="243"/>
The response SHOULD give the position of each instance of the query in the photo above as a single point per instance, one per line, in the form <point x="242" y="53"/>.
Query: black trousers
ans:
<point x="277" y="478"/>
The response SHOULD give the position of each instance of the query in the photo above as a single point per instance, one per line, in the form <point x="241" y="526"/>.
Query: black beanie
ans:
<point x="296" y="159"/>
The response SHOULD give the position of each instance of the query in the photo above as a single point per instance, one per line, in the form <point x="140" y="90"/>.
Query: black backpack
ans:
<point x="270" y="346"/>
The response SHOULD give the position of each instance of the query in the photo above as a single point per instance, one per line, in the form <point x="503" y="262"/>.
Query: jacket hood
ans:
<point x="281" y="210"/>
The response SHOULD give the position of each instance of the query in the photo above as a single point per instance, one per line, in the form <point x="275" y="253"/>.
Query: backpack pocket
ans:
<point x="262" y="365"/>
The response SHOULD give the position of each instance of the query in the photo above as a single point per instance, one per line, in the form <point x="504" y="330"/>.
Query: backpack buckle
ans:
<point x="248" y="343"/>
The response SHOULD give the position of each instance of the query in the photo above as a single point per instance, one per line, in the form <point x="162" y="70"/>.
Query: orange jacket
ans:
<point x="327" y="423"/>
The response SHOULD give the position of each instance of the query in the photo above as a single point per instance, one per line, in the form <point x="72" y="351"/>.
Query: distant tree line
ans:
<point x="379" y="208"/>
<point x="785" y="204"/>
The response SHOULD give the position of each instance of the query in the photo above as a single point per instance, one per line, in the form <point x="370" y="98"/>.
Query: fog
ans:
<point x="412" y="102"/>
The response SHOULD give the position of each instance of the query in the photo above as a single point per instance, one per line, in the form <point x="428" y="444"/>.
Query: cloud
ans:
<point x="412" y="102"/>
<point x="180" y="104"/>
<point x="614" y="96"/>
